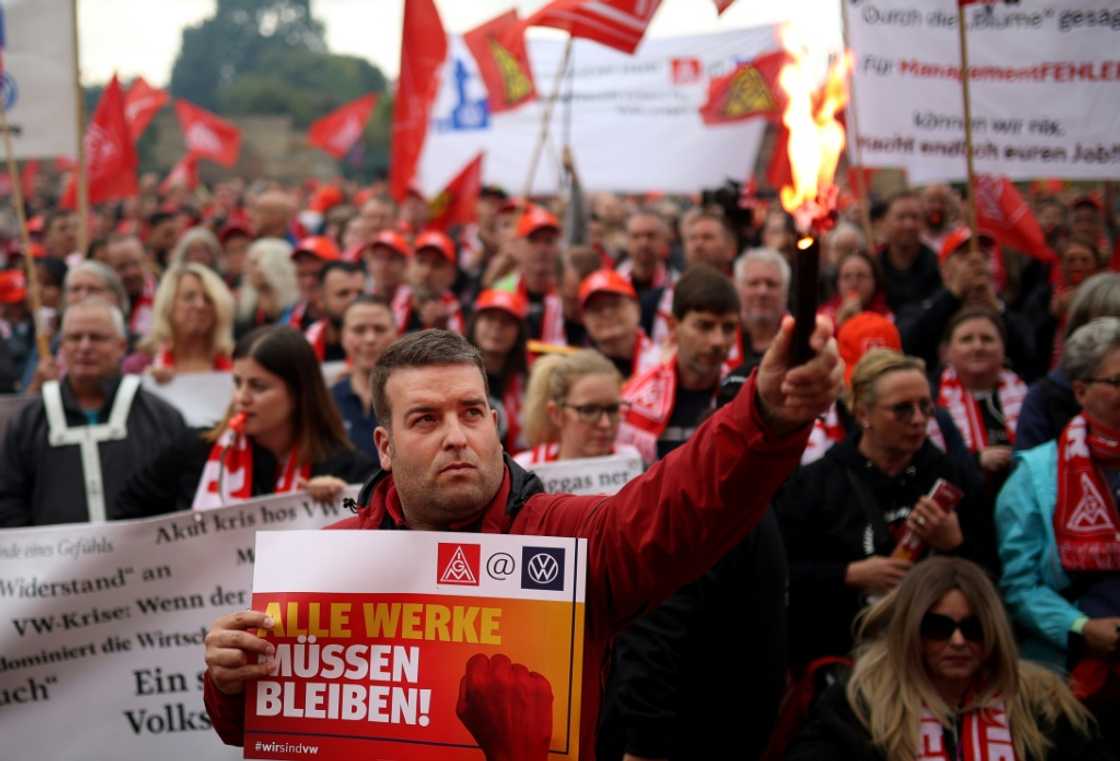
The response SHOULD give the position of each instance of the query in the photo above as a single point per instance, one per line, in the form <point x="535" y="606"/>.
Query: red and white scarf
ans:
<point x="316" y="335"/>
<point x="165" y="360"/>
<point x="236" y="477"/>
<point x="142" y="315"/>
<point x="1085" y="516"/>
<point x="965" y="410"/>
<point x="660" y="277"/>
<point x="661" y="331"/>
<point x="402" y="305"/>
<point x="827" y="431"/>
<point x="644" y="356"/>
<point x="295" y="319"/>
<point x="651" y="396"/>
<point x="539" y="454"/>
<point x="552" y="319"/>
<point x="985" y="736"/>
<point x="513" y="396"/>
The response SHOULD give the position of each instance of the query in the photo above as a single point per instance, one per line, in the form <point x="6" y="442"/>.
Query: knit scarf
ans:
<point x="965" y="410"/>
<point x="221" y="486"/>
<point x="1085" y="518"/>
<point x="984" y="736"/>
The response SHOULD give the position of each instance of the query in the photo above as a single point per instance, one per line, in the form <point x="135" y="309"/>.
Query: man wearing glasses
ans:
<point x="66" y="459"/>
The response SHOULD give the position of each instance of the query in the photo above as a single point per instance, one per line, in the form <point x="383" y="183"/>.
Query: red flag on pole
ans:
<point x="722" y="5"/>
<point x="455" y="204"/>
<point x="1002" y="212"/>
<point x="207" y="135"/>
<point x="141" y="104"/>
<point x="618" y="24"/>
<point x="337" y="132"/>
<point x="423" y="51"/>
<point x="498" y="46"/>
<point x="750" y="90"/>
<point x="110" y="154"/>
<point x="184" y="173"/>
<point x="28" y="177"/>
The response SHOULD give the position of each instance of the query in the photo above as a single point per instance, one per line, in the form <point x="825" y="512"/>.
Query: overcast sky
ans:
<point x="141" y="37"/>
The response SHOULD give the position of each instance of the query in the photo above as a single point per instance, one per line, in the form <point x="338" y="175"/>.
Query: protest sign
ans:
<point x="589" y="475"/>
<point x="1045" y="88"/>
<point x="634" y="123"/>
<point x="374" y="631"/>
<point x="102" y="627"/>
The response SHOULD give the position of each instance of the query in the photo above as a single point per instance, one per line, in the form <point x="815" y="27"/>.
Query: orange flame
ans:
<point x="816" y="137"/>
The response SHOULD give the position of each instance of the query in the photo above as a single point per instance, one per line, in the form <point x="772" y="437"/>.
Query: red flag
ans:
<point x="722" y="5"/>
<point x="28" y="177"/>
<point x="750" y="90"/>
<point x="184" y="173"/>
<point x="618" y="24"/>
<point x="1002" y="212"/>
<point x="337" y="132"/>
<point x="110" y="154"/>
<point x="779" y="173"/>
<point x="423" y="51"/>
<point x="455" y="204"/>
<point x="498" y="46"/>
<point x="141" y="104"/>
<point x="207" y="135"/>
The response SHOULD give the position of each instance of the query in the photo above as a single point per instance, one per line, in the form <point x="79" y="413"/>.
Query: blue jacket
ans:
<point x="1033" y="578"/>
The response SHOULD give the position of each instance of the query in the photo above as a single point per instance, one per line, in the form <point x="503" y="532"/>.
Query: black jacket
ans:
<point x="1048" y="408"/>
<point x="728" y="627"/>
<point x="169" y="481"/>
<point x="825" y="527"/>
<point x="834" y="732"/>
<point x="911" y="285"/>
<point x="41" y="484"/>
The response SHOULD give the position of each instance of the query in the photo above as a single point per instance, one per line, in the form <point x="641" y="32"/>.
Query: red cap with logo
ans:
<point x="13" y="287"/>
<point x="861" y="334"/>
<point x="392" y="240"/>
<point x="319" y="246"/>
<point x="535" y="218"/>
<point x="510" y="302"/>
<point x="957" y="238"/>
<point x="437" y="240"/>
<point x="605" y="281"/>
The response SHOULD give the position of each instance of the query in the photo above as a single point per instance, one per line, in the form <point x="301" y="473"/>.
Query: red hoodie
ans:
<point x="657" y="534"/>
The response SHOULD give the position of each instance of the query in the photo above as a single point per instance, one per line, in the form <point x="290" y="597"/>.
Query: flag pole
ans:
<point x="853" y="128"/>
<point x="33" y="291"/>
<point x="83" y="171"/>
<point x="547" y="117"/>
<point x="974" y="242"/>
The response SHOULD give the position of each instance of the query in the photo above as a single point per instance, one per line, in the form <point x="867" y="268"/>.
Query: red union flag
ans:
<point x="207" y="135"/>
<point x="722" y="5"/>
<point x="110" y="154"/>
<point x="458" y="564"/>
<point x="183" y="174"/>
<point x="750" y="90"/>
<point x="141" y="104"/>
<point x="337" y="132"/>
<point x="455" y="204"/>
<point x="498" y="47"/>
<point x="619" y="24"/>
<point x="1003" y="213"/>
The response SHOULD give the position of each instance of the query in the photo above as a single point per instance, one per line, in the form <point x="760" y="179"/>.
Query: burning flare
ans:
<point x="816" y="91"/>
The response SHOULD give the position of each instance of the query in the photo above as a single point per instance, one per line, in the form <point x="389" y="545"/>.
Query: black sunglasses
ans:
<point x="941" y="628"/>
<point x="592" y="413"/>
<point x="903" y="412"/>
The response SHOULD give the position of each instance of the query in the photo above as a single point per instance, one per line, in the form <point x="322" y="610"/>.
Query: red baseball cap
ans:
<point x="535" y="218"/>
<point x="13" y="287"/>
<point x="956" y="239"/>
<point x="605" y="281"/>
<point x="437" y="240"/>
<point x="861" y="334"/>
<point x="324" y="198"/>
<point x="234" y="227"/>
<point x="392" y="240"/>
<point x="319" y="246"/>
<point x="510" y="302"/>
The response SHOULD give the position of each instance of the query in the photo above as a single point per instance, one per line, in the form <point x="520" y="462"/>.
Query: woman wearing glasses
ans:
<point x="1058" y="527"/>
<point x="572" y="409"/>
<point x="842" y="516"/>
<point x="937" y="675"/>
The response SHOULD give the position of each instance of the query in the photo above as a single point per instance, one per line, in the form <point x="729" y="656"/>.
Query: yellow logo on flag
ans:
<point x="517" y="84"/>
<point x="749" y="94"/>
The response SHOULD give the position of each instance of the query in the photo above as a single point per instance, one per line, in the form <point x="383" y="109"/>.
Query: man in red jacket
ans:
<point x="443" y="469"/>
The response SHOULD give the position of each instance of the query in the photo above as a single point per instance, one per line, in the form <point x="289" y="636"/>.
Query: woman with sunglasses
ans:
<point x="843" y="516"/>
<point x="1057" y="528"/>
<point x="573" y="409"/>
<point x="937" y="675"/>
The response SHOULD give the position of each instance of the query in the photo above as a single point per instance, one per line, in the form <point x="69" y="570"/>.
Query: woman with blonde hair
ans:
<point x="197" y="245"/>
<point x="572" y="409"/>
<point x="937" y="675"/>
<point x="269" y="286"/>
<point x="192" y="325"/>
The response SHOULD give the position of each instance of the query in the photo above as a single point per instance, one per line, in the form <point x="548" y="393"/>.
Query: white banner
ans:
<point x="590" y="475"/>
<point x="202" y="397"/>
<point x="101" y="629"/>
<point x="635" y="122"/>
<point x="38" y="83"/>
<point x="1045" y="88"/>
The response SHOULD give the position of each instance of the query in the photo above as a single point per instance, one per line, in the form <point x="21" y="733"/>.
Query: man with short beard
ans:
<point x="125" y="254"/>
<point x="940" y="210"/>
<point x="762" y="281"/>
<point x="910" y="268"/>
<point x="60" y="233"/>
<point x="537" y="248"/>
<point x="340" y="284"/>
<point x="611" y="316"/>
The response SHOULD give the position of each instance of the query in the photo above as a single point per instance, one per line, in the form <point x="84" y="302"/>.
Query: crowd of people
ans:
<point x="946" y="626"/>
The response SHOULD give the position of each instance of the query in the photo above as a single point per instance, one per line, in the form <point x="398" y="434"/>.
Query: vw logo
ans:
<point x="9" y="91"/>
<point x="543" y="568"/>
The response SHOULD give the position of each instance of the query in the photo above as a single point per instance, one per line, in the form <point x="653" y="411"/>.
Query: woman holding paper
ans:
<point x="573" y="409"/>
<point x="192" y="326"/>
<point x="280" y="434"/>
<point x="843" y="515"/>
